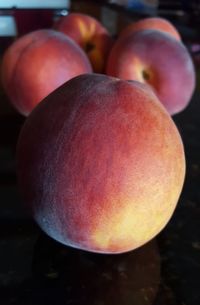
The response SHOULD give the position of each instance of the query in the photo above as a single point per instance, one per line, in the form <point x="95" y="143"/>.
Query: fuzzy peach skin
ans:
<point x="159" y="60"/>
<point x="100" y="164"/>
<point x="151" y="23"/>
<point x="37" y="63"/>
<point x="90" y="35"/>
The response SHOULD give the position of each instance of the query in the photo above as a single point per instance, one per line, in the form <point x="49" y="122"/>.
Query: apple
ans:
<point x="159" y="60"/>
<point x="100" y="164"/>
<point x="90" y="35"/>
<point x="37" y="63"/>
<point x="151" y="23"/>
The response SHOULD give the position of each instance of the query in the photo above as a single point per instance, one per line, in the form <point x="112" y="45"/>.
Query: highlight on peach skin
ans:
<point x="100" y="164"/>
<point x="151" y="23"/>
<point x="90" y="35"/>
<point x="159" y="60"/>
<point x="37" y="63"/>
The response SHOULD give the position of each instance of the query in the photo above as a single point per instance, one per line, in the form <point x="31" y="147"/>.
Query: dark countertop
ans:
<point x="36" y="270"/>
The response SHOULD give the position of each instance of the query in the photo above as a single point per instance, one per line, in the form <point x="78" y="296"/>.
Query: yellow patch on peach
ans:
<point x="143" y="72"/>
<point x="138" y="214"/>
<point x="96" y="59"/>
<point x="92" y="28"/>
<point x="87" y="30"/>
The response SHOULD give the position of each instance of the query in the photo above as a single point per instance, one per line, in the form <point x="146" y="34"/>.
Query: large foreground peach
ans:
<point x="101" y="164"/>
<point x="159" y="60"/>
<point x="38" y="63"/>
<point x="90" y="35"/>
<point x="151" y="23"/>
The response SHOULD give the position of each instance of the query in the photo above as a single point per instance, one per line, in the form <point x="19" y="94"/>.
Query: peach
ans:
<point x="101" y="164"/>
<point x="90" y="35"/>
<point x="159" y="60"/>
<point x="151" y="23"/>
<point x="37" y="63"/>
